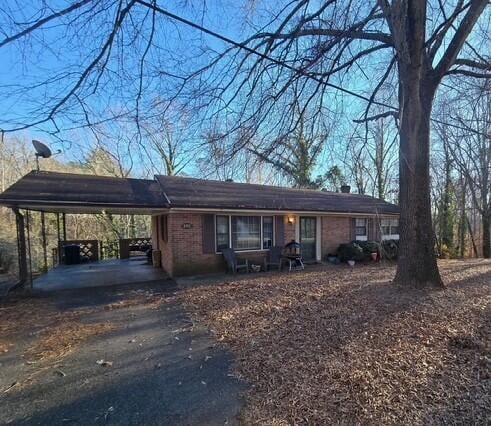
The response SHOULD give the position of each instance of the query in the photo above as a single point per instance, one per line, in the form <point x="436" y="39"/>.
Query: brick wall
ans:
<point x="335" y="231"/>
<point x="183" y="253"/>
<point x="164" y="246"/>
<point x="186" y="233"/>
<point x="290" y="228"/>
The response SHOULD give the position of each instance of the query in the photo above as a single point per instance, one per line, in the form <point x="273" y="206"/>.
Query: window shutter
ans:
<point x="352" y="229"/>
<point x="208" y="237"/>
<point x="279" y="231"/>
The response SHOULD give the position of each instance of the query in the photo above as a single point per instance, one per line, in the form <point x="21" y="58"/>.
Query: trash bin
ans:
<point x="72" y="254"/>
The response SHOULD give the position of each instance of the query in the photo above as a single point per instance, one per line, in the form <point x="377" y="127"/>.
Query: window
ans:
<point x="390" y="229"/>
<point x="361" y="231"/>
<point x="267" y="232"/>
<point x="244" y="232"/>
<point x="222" y="230"/>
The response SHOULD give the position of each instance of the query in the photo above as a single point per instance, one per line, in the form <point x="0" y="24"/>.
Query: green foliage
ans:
<point x="332" y="179"/>
<point x="350" y="251"/>
<point x="446" y="252"/>
<point x="358" y="250"/>
<point x="390" y="249"/>
<point x="7" y="255"/>
<point x="369" y="247"/>
<point x="295" y="156"/>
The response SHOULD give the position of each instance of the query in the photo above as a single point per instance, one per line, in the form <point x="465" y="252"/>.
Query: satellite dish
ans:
<point x="41" y="149"/>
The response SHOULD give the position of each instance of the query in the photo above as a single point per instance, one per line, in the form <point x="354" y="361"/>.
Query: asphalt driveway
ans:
<point x="152" y="367"/>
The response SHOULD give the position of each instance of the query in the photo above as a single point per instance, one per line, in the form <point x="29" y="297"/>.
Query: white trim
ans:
<point x="390" y="237"/>
<point x="297" y="228"/>
<point x="229" y="231"/>
<point x="260" y="212"/>
<point x="261" y="237"/>
<point x="361" y="238"/>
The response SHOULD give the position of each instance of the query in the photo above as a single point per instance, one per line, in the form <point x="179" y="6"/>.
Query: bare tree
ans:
<point x="169" y="144"/>
<point x="373" y="158"/>
<point x="313" y="46"/>
<point x="470" y="146"/>
<point x="295" y="155"/>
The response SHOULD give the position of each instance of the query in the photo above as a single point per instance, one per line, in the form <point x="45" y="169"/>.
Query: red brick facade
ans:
<point x="335" y="230"/>
<point x="183" y="254"/>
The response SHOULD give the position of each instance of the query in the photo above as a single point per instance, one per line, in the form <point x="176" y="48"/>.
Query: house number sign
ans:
<point x="187" y="225"/>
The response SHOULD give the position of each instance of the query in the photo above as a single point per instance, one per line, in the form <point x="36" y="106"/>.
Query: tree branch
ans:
<point x="349" y="34"/>
<point x="375" y="117"/>
<point x="43" y="21"/>
<point x="460" y="36"/>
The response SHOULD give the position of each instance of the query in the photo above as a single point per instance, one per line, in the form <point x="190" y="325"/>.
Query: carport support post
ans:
<point x="58" y="233"/>
<point x="21" y="247"/>
<point x="63" y="217"/>
<point x="43" y="236"/>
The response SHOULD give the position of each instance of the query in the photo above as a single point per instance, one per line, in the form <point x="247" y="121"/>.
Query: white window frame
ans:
<point x="230" y="232"/>
<point x="389" y="222"/>
<point x="361" y="237"/>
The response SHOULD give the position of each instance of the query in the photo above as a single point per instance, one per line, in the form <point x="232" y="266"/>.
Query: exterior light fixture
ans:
<point x="291" y="220"/>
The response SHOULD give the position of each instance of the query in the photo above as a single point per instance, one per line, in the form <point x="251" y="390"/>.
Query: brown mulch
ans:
<point x="342" y="346"/>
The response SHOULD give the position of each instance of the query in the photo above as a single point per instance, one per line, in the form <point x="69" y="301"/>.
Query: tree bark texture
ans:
<point x="486" y="238"/>
<point x="417" y="264"/>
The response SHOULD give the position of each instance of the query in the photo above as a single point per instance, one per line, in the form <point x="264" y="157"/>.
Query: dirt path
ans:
<point x="157" y="368"/>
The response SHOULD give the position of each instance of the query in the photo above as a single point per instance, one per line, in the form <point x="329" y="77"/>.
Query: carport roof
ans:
<point x="79" y="193"/>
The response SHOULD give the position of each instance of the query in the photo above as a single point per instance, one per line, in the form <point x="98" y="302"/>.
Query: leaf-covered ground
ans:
<point x="335" y="345"/>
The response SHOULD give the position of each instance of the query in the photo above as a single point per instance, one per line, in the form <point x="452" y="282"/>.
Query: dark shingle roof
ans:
<point x="201" y="193"/>
<point x="55" y="191"/>
<point x="51" y="188"/>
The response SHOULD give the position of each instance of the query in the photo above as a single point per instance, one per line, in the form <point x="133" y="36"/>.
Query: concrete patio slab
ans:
<point x="99" y="274"/>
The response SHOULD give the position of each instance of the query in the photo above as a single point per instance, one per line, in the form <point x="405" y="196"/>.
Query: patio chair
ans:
<point x="273" y="258"/>
<point x="234" y="264"/>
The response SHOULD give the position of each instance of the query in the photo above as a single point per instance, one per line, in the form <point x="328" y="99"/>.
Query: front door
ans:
<point x="307" y="237"/>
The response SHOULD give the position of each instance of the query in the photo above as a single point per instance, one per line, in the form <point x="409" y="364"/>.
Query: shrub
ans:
<point x="390" y="249"/>
<point x="350" y="251"/>
<point x="369" y="247"/>
<point x="7" y="257"/>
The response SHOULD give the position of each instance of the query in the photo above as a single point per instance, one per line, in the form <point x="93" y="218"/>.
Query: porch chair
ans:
<point x="233" y="263"/>
<point x="274" y="258"/>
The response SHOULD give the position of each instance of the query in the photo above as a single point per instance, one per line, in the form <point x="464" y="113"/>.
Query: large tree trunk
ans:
<point x="463" y="217"/>
<point x="417" y="264"/>
<point x="486" y="243"/>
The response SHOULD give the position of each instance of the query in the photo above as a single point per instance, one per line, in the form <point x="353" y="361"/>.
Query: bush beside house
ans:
<point x="362" y="250"/>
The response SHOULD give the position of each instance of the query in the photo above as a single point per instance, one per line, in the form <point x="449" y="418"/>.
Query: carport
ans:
<point x="99" y="274"/>
<point x="67" y="193"/>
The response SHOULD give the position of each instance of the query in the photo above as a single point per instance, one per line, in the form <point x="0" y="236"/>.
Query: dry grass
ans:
<point x="47" y="335"/>
<point x="57" y="342"/>
<point x="138" y="298"/>
<point x="341" y="346"/>
<point x="23" y="315"/>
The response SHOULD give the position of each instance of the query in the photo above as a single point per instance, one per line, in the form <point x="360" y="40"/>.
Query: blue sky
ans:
<point x="59" y="48"/>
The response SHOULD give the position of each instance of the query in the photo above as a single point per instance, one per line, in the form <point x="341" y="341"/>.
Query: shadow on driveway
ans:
<point x="164" y="369"/>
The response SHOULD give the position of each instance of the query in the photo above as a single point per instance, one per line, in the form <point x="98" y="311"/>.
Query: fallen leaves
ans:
<point x="43" y="334"/>
<point x="347" y="346"/>
<point x="58" y="341"/>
